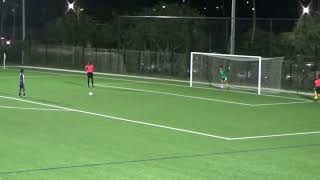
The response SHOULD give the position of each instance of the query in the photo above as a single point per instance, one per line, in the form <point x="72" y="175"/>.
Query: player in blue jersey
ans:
<point x="22" y="91"/>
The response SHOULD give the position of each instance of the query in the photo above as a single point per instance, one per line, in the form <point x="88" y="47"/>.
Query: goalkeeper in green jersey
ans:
<point x="223" y="77"/>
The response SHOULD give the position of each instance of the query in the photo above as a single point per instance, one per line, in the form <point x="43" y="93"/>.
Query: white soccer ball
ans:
<point x="90" y="93"/>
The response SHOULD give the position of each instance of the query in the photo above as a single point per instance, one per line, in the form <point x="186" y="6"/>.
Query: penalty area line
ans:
<point x="118" y="118"/>
<point x="174" y="94"/>
<point x="274" y="135"/>
<point x="36" y="109"/>
<point x="285" y="103"/>
<point x="157" y="125"/>
<point x="14" y="77"/>
<point x="109" y="85"/>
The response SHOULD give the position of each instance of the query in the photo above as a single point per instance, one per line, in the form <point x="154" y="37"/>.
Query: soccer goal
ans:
<point x="242" y="72"/>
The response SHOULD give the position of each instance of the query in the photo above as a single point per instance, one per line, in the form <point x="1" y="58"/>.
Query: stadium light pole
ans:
<point x="2" y="17"/>
<point x="23" y="29"/>
<point x="14" y="24"/>
<point x="254" y="21"/>
<point x="233" y="27"/>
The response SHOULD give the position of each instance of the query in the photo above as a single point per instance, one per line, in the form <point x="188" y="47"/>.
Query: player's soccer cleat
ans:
<point x="315" y="98"/>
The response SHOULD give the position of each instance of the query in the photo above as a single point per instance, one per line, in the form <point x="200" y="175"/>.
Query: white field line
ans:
<point x="266" y="95"/>
<point x="78" y="75"/>
<point x="275" y="135"/>
<point x="286" y="103"/>
<point x="160" y="79"/>
<point x="120" y="83"/>
<point x="200" y="98"/>
<point x="37" y="109"/>
<point x="99" y="73"/>
<point x="52" y="73"/>
<point x="284" y="97"/>
<point x="117" y="118"/>
<point x="173" y="94"/>
<point x="160" y="126"/>
<point x="208" y="88"/>
<point x="16" y="77"/>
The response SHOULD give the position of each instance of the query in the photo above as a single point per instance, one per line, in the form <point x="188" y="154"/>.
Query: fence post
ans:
<point x="271" y="37"/>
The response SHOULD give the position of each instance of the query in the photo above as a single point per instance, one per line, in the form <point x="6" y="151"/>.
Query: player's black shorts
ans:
<point x="90" y="75"/>
<point x="21" y="85"/>
<point x="317" y="89"/>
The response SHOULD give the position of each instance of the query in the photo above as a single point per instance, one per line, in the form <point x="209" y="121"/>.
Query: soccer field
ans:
<point x="135" y="128"/>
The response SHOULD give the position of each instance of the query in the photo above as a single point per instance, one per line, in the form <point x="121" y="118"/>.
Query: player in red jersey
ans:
<point x="317" y="88"/>
<point x="89" y="70"/>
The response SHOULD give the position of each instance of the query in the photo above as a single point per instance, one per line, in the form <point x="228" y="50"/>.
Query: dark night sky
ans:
<point x="39" y="11"/>
<point x="265" y="8"/>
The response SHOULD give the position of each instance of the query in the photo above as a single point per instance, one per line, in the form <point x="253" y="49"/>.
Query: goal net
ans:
<point x="4" y="59"/>
<point x="241" y="72"/>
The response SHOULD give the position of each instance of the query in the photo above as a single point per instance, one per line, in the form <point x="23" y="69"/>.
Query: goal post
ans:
<point x="259" y="75"/>
<point x="191" y="68"/>
<point x="4" y="60"/>
<point x="243" y="72"/>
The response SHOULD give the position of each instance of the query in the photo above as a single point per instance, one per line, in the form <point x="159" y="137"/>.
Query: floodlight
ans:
<point x="71" y="6"/>
<point x="306" y="10"/>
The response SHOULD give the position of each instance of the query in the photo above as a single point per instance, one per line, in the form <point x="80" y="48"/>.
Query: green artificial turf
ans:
<point x="105" y="136"/>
